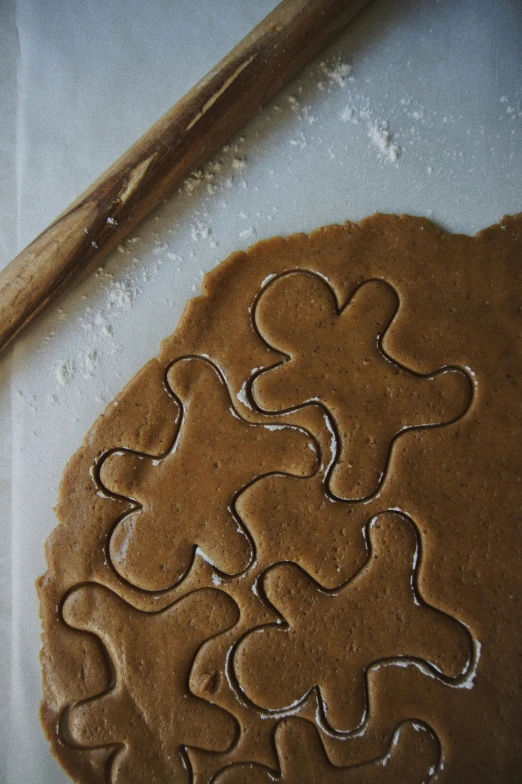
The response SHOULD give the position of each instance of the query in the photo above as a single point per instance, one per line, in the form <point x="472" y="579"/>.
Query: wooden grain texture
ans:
<point x="179" y="142"/>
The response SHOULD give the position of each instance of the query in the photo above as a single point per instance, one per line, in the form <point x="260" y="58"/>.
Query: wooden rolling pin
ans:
<point x="178" y="143"/>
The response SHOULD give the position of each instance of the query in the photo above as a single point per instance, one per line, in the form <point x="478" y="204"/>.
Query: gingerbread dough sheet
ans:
<point x="290" y="550"/>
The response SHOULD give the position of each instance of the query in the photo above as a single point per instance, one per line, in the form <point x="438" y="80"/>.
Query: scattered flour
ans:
<point x="248" y="233"/>
<point x="238" y="164"/>
<point x="381" y="137"/>
<point x="337" y="72"/>
<point x="335" y="80"/>
<point x="348" y="114"/>
<point x="378" y="130"/>
<point x="122" y="294"/>
<point x="64" y="371"/>
<point x="89" y="361"/>
<point x="85" y="364"/>
<point x="199" y="231"/>
<point x="211" y="175"/>
<point x="103" y="325"/>
<point x="160" y="249"/>
<point x="300" y="141"/>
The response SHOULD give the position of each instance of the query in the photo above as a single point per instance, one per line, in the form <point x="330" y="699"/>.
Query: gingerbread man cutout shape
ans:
<point x="329" y="639"/>
<point x="186" y="499"/>
<point x="334" y="356"/>
<point x="148" y="713"/>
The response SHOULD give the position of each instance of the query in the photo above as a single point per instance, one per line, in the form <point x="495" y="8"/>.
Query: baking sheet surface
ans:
<point x="416" y="107"/>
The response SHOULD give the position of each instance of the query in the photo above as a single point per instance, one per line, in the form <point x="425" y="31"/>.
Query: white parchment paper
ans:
<point x="9" y="51"/>
<point x="416" y="107"/>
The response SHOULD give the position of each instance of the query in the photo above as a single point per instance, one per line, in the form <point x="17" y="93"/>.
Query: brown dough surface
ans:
<point x="412" y="756"/>
<point x="291" y="551"/>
